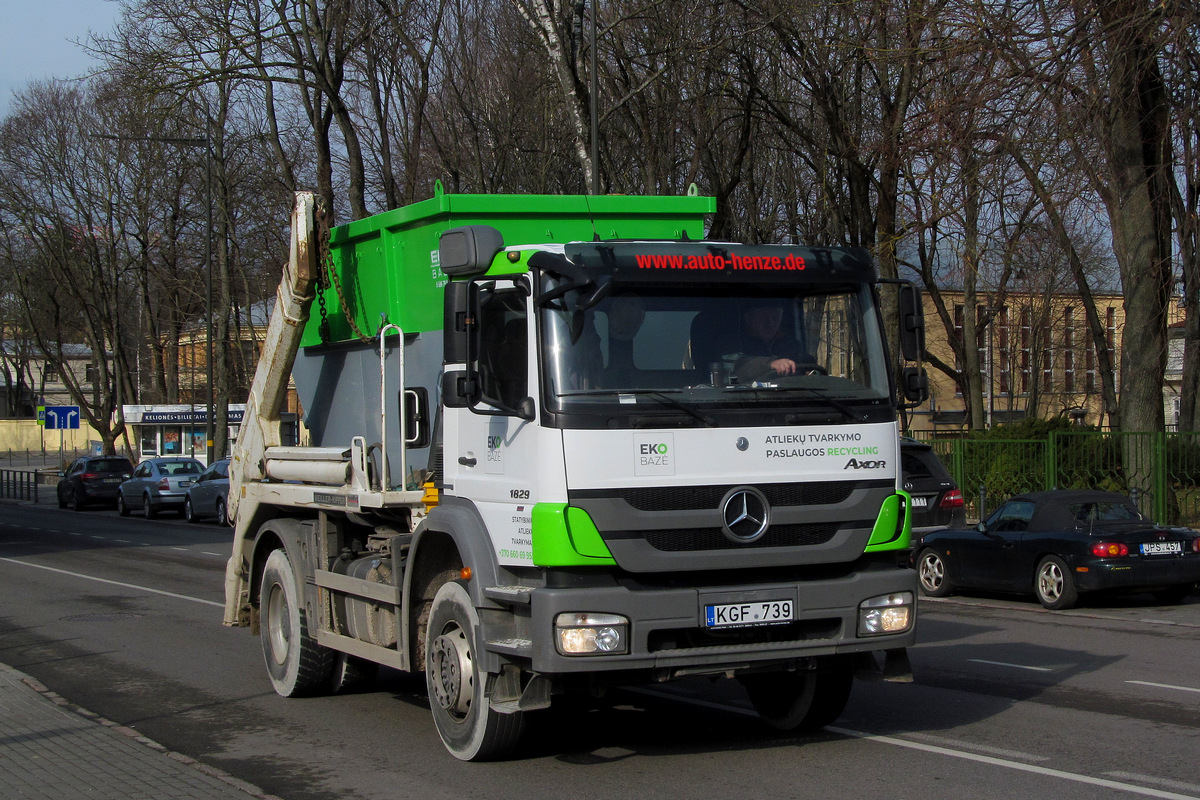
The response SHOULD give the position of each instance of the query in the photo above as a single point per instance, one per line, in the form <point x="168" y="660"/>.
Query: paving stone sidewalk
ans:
<point x="53" y="750"/>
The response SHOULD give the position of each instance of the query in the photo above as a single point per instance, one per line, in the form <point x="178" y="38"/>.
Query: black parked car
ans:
<point x="936" y="500"/>
<point x="92" y="479"/>
<point x="1059" y="544"/>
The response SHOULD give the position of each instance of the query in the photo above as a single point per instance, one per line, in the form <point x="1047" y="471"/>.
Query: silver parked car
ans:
<point x="158" y="484"/>
<point x="208" y="496"/>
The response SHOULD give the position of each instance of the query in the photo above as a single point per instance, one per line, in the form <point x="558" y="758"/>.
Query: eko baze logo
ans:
<point x="653" y="453"/>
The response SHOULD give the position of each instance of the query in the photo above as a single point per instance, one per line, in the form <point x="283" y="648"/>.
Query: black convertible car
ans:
<point x="1059" y="544"/>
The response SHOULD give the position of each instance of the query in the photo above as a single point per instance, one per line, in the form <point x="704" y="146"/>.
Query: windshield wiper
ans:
<point x="660" y="395"/>
<point x="833" y="402"/>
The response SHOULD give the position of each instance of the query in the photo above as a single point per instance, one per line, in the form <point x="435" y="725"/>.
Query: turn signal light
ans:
<point x="952" y="499"/>
<point x="1109" y="549"/>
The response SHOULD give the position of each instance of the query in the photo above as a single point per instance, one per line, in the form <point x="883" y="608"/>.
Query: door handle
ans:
<point x="466" y="461"/>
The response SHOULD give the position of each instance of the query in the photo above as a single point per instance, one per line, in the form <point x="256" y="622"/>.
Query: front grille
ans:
<point x="686" y="541"/>
<point x="692" y="638"/>
<point x="695" y="498"/>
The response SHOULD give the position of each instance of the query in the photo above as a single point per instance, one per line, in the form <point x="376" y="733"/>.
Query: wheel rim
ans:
<point x="1050" y="581"/>
<point x="933" y="572"/>
<point x="453" y="675"/>
<point x="279" y="624"/>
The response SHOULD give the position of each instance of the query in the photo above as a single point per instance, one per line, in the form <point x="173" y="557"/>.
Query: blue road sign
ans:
<point x="62" y="418"/>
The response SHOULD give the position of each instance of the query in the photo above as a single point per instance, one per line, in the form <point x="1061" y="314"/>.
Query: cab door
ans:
<point x="491" y="444"/>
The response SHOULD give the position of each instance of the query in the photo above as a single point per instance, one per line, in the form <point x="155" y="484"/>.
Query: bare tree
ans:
<point x="66" y="243"/>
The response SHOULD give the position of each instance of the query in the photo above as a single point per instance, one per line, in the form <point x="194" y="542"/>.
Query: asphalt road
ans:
<point x="122" y="616"/>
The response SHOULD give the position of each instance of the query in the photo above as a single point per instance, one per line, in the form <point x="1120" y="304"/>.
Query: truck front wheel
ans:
<point x="458" y="697"/>
<point x="296" y="663"/>
<point x="805" y="700"/>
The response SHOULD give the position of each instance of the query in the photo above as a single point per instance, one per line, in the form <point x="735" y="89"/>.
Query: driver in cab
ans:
<point x="765" y="349"/>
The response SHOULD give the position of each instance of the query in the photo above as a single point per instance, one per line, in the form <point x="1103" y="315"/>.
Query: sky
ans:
<point x="36" y="40"/>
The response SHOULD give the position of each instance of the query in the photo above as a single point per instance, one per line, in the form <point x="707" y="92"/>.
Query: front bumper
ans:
<point x="667" y="634"/>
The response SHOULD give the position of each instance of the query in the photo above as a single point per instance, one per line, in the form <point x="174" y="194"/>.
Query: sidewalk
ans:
<point x="53" y="750"/>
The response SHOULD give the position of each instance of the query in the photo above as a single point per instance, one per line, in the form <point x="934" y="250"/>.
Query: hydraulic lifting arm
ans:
<point x="260" y="424"/>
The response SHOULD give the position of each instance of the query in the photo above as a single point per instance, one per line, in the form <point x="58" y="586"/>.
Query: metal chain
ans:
<point x="327" y="277"/>
<point x="321" y="226"/>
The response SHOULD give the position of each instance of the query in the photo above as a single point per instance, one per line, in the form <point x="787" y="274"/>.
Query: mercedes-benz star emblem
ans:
<point x="745" y="514"/>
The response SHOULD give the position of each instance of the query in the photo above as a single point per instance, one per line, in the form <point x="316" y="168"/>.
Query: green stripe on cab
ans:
<point x="566" y="537"/>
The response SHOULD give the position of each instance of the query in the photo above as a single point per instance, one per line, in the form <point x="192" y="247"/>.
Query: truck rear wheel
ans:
<point x="805" y="700"/>
<point x="296" y="663"/>
<point x="469" y="727"/>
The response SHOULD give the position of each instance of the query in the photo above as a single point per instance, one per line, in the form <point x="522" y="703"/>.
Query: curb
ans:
<point x="129" y="733"/>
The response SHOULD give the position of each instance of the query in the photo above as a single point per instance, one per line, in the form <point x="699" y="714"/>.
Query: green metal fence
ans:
<point x="1160" y="471"/>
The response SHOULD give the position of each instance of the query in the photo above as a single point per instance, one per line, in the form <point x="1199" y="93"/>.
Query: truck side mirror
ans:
<point x="458" y="389"/>
<point x="914" y="383"/>
<point x="468" y="250"/>
<point x="454" y="341"/>
<point x="912" y="323"/>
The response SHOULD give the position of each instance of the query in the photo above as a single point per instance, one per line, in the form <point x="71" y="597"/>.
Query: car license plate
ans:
<point x="761" y="612"/>
<point x="920" y="502"/>
<point x="184" y="484"/>
<point x="112" y="480"/>
<point x="1161" y="548"/>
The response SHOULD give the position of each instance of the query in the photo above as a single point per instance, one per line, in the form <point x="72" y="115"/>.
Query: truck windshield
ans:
<point x="714" y="355"/>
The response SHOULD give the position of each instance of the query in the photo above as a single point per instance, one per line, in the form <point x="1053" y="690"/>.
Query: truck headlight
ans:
<point x="887" y="613"/>
<point x="582" y="634"/>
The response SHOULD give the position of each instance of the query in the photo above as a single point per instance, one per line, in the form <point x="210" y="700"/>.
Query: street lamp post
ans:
<point x="994" y="314"/>
<point x="991" y="371"/>
<point x="208" y="309"/>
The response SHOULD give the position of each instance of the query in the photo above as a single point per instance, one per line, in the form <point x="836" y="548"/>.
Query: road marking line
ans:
<point x="983" y="759"/>
<point x="184" y="549"/>
<point x="1002" y="762"/>
<point x="101" y="538"/>
<point x="1006" y="664"/>
<point x="122" y="541"/>
<point x="74" y="534"/>
<point x="982" y="748"/>
<point x="115" y="583"/>
<point x="1165" y="686"/>
<point x="1133" y="776"/>
<point x="205" y="552"/>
